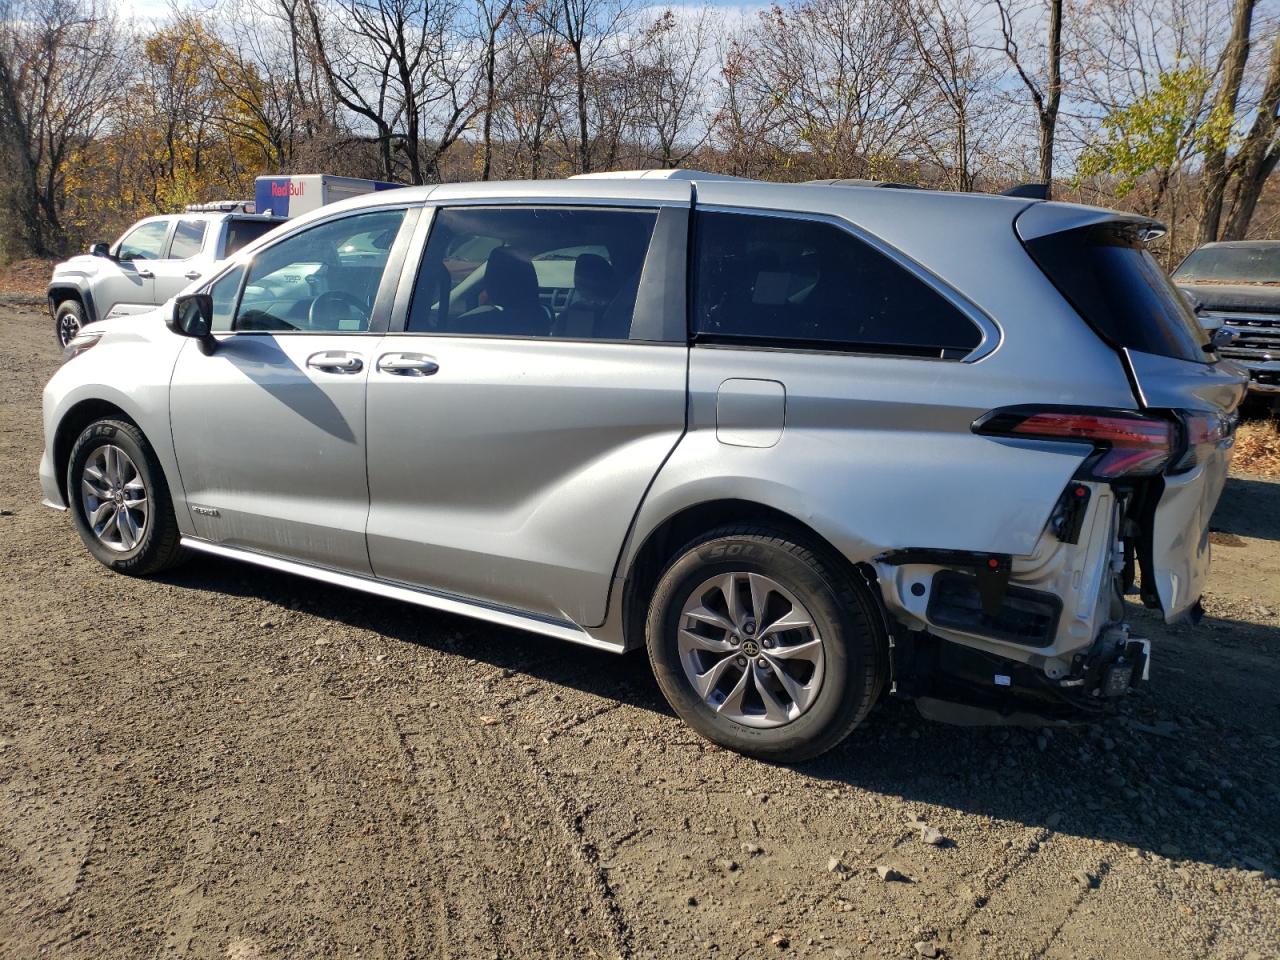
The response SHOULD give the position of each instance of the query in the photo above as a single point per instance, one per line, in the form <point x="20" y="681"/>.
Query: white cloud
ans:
<point x="143" y="11"/>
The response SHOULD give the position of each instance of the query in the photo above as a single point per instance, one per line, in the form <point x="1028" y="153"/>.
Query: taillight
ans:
<point x="1126" y="444"/>
<point x="1204" y="432"/>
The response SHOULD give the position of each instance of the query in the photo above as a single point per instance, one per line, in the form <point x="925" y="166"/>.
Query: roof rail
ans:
<point x="655" y="175"/>
<point x="858" y="182"/>
<point x="222" y="206"/>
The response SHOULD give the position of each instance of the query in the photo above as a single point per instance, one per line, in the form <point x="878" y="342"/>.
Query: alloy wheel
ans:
<point x="751" y="649"/>
<point x="68" y="327"/>
<point x="114" y="498"/>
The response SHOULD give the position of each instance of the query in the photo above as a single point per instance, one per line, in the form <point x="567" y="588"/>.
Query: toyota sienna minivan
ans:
<point x="807" y="444"/>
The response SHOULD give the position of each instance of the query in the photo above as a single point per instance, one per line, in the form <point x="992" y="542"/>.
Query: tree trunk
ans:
<point x="1257" y="156"/>
<point x="584" y="140"/>
<point x="1053" y="98"/>
<point x="1214" y="173"/>
<point x="490" y="68"/>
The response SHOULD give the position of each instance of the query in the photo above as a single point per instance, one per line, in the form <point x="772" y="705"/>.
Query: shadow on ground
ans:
<point x="1189" y="788"/>
<point x="1249" y="508"/>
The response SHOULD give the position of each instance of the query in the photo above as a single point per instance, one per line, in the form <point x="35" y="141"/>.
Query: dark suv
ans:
<point x="1236" y="286"/>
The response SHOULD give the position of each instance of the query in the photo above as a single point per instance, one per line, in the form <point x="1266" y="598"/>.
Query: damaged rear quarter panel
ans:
<point x="875" y="454"/>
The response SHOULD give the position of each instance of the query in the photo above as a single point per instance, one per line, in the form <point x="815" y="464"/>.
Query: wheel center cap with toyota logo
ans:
<point x="751" y="648"/>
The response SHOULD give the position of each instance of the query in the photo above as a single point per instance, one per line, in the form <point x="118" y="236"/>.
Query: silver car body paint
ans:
<point x="520" y="481"/>
<point x="275" y="447"/>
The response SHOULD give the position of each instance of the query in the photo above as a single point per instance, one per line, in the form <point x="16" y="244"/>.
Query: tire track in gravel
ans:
<point x="1035" y="890"/>
<point x="516" y="875"/>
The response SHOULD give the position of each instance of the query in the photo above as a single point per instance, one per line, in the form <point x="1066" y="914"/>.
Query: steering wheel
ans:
<point x="331" y="308"/>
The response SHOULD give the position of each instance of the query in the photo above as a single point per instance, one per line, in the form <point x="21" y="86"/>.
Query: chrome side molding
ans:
<point x="447" y="603"/>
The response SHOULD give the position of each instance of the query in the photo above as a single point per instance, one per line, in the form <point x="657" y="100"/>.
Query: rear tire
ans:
<point x="785" y="682"/>
<point x="119" y="500"/>
<point x="68" y="321"/>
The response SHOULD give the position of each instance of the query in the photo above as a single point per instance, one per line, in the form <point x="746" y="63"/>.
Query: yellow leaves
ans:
<point x="1158" y="130"/>
<point x="184" y="132"/>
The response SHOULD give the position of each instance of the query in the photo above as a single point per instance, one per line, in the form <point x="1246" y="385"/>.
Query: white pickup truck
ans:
<point x="154" y="260"/>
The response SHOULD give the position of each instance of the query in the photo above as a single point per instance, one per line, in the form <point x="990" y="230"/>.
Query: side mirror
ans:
<point x="1223" y="337"/>
<point x="100" y="249"/>
<point x="192" y="316"/>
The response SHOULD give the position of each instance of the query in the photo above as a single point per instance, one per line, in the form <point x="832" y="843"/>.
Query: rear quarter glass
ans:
<point x="1106" y="273"/>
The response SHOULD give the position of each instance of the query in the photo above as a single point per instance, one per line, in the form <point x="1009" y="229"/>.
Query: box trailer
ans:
<point x="290" y="196"/>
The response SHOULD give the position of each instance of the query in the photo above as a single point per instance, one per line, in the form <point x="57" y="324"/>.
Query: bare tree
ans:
<point x="743" y="124"/>
<point x="398" y="66"/>
<point x="1147" y="70"/>
<point x="318" y="115"/>
<point x="1214" y="171"/>
<point x="670" y="67"/>
<point x="57" y="75"/>
<point x="1121" y="49"/>
<point x="959" y="73"/>
<point x="590" y="30"/>
<point x="262" y="62"/>
<point x="1256" y="158"/>
<point x="492" y="15"/>
<point x="831" y="84"/>
<point x="536" y="84"/>
<point x="1043" y="84"/>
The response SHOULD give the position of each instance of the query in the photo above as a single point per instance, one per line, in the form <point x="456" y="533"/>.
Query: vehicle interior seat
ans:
<point x="595" y="284"/>
<point x="514" y="309"/>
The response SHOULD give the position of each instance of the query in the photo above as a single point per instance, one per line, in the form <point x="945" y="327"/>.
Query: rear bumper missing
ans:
<point x="958" y="684"/>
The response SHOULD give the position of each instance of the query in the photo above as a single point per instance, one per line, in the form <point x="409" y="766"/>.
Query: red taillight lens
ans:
<point x="1127" y="444"/>
<point x="1205" y="432"/>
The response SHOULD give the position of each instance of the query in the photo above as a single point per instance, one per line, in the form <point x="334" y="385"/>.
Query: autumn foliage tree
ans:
<point x="1171" y="108"/>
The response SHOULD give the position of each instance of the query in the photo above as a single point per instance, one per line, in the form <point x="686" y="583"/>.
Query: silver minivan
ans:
<point x="807" y="444"/>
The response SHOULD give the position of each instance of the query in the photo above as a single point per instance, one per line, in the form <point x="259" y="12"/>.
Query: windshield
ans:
<point x="1243" y="264"/>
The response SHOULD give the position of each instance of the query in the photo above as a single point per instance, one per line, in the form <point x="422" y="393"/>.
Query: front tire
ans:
<point x="764" y="644"/>
<point x="68" y="321"/>
<point x="119" y="500"/>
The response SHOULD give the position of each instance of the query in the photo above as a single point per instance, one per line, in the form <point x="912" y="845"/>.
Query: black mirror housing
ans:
<point x="192" y="316"/>
<point x="100" y="249"/>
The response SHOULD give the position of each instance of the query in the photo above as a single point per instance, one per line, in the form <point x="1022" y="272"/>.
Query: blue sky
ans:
<point x="152" y="10"/>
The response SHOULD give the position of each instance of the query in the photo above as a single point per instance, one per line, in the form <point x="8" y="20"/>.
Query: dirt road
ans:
<point x="229" y="763"/>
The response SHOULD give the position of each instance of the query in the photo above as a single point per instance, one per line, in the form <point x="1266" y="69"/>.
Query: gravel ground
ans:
<point x="235" y="764"/>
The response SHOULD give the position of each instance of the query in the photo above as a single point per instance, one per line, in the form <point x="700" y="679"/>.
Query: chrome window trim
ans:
<point x="241" y="259"/>
<point x="987" y="326"/>
<point x="496" y="200"/>
<point x="399" y="318"/>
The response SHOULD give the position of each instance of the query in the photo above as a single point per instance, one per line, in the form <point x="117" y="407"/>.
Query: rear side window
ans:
<point x="559" y="272"/>
<point x="1107" y="274"/>
<point x="787" y="281"/>
<point x="188" y="238"/>
<point x="243" y="232"/>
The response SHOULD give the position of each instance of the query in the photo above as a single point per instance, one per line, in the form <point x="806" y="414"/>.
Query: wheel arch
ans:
<point x="72" y="424"/>
<point x="660" y="543"/>
<point x="62" y="292"/>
